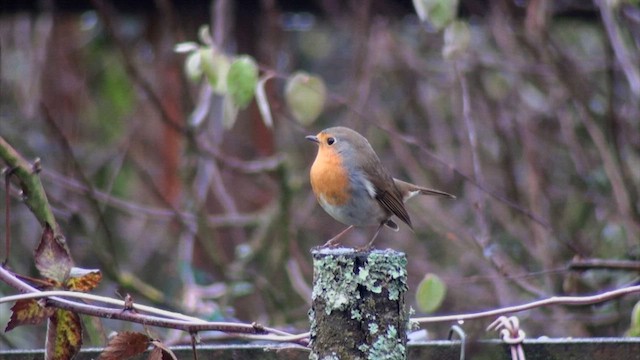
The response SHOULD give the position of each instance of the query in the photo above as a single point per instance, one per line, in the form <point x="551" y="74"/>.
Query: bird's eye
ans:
<point x="330" y="141"/>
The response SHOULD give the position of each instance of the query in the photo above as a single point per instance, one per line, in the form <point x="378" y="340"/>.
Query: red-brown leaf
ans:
<point x="28" y="312"/>
<point x="52" y="257"/>
<point x="64" y="335"/>
<point x="125" y="345"/>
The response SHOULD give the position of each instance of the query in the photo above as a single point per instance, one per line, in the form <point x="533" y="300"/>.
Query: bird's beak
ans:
<point x="312" y="138"/>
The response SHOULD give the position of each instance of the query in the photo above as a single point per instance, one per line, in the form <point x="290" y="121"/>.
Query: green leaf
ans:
<point x="204" y="34"/>
<point x="430" y="294"/>
<point x="229" y="112"/>
<point x="305" y="95"/>
<point x="215" y="66"/>
<point x="438" y="13"/>
<point x="185" y="47"/>
<point x="456" y="40"/>
<point x="193" y="67"/>
<point x="242" y="79"/>
<point x="634" y="328"/>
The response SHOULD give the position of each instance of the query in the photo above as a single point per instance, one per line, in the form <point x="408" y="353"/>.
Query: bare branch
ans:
<point x="625" y="58"/>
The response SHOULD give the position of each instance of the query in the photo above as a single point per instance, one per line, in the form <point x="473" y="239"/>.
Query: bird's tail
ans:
<point x="410" y="190"/>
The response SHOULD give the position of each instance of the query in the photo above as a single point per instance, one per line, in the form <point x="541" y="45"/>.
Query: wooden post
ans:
<point x="358" y="307"/>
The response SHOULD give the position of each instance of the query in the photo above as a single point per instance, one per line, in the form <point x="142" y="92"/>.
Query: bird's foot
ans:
<point x="332" y="243"/>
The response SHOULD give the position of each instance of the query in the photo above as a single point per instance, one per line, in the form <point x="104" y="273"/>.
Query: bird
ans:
<point x="352" y="185"/>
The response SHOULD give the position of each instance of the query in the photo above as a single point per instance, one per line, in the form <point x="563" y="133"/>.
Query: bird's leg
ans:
<point x="370" y="244"/>
<point x="333" y="242"/>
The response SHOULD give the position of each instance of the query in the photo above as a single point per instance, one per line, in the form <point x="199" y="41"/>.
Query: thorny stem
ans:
<point x="34" y="195"/>
<point x="168" y="319"/>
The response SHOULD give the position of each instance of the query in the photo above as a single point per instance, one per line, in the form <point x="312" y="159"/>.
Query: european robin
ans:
<point x="352" y="185"/>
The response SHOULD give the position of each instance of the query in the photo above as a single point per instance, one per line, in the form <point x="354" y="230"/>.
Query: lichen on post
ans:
<point x="358" y="309"/>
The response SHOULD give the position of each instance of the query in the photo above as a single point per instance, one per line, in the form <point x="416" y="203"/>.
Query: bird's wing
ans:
<point x="392" y="201"/>
<point x="386" y="192"/>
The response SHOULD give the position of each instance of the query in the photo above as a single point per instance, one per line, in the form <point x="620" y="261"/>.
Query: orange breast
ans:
<point x="329" y="179"/>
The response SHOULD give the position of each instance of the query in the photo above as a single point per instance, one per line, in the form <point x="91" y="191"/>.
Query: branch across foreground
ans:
<point x="166" y="319"/>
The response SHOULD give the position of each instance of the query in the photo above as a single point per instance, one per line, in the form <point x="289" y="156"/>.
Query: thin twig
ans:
<point x="483" y="237"/>
<point x="156" y="213"/>
<point x="564" y="68"/>
<point x="266" y="164"/>
<point x="297" y="281"/>
<point x="413" y="141"/>
<point x="108" y="257"/>
<point x="629" y="66"/>
<point x="604" y="264"/>
<point x="104" y="11"/>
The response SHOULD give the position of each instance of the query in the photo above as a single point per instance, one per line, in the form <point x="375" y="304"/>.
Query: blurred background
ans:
<point x="533" y="122"/>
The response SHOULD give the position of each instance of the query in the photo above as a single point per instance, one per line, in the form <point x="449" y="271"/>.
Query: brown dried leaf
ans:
<point x="125" y="345"/>
<point x="155" y="354"/>
<point x="52" y="258"/>
<point x="161" y="352"/>
<point x="28" y="312"/>
<point x="64" y="335"/>
<point x="83" y="280"/>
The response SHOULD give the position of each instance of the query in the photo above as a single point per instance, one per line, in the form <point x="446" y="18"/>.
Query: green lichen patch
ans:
<point x="356" y="314"/>
<point x="333" y="283"/>
<point x="382" y="271"/>
<point x="333" y="356"/>
<point x="412" y="325"/>
<point x="388" y="346"/>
